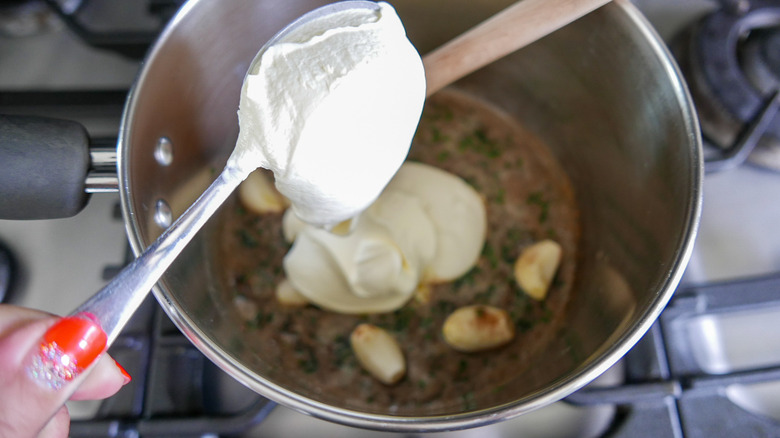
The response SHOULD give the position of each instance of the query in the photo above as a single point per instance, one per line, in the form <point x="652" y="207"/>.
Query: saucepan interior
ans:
<point x="602" y="94"/>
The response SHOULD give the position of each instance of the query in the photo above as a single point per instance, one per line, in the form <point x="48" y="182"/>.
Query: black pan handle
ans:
<point x="43" y="167"/>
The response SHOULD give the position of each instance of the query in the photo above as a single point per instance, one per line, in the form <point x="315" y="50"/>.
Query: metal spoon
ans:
<point x="519" y="25"/>
<point x="115" y="303"/>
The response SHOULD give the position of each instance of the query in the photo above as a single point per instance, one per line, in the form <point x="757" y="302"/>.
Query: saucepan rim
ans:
<point x="565" y="385"/>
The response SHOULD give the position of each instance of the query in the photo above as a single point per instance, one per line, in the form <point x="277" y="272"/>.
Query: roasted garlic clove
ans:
<point x="246" y="308"/>
<point x="378" y="353"/>
<point x="287" y="295"/>
<point x="536" y="267"/>
<point x="258" y="194"/>
<point x="476" y="328"/>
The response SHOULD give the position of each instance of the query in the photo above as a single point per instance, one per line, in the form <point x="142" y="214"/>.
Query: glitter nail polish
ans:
<point x="68" y="348"/>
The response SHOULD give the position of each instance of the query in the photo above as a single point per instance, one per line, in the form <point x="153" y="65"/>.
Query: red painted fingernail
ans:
<point x="124" y="372"/>
<point x="68" y="348"/>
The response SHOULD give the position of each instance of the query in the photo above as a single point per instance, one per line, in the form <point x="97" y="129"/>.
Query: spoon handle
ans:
<point x="509" y="30"/>
<point x="115" y="303"/>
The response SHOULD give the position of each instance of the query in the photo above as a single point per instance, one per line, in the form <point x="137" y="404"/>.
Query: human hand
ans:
<point x="34" y="388"/>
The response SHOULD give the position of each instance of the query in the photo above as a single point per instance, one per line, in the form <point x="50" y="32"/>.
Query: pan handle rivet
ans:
<point x="163" y="152"/>
<point x="162" y="214"/>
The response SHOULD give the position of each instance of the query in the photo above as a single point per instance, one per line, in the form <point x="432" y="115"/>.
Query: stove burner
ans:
<point x="731" y="60"/>
<point x="127" y="27"/>
<point x="761" y="59"/>
<point x="7" y="273"/>
<point x="22" y="18"/>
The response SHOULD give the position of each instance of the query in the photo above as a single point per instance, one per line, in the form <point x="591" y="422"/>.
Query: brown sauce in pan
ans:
<point x="528" y="199"/>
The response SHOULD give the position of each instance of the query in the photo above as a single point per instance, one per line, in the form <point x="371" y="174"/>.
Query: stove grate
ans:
<point x="667" y="392"/>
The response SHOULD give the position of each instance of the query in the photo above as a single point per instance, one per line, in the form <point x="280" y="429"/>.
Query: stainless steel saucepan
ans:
<point x="603" y="93"/>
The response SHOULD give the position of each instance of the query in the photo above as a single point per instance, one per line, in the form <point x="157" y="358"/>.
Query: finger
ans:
<point x="58" y="426"/>
<point x="13" y="317"/>
<point x="66" y="350"/>
<point x="24" y="409"/>
<point x="41" y="365"/>
<point x="104" y="380"/>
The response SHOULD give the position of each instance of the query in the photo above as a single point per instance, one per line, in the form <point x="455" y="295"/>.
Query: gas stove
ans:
<point x="709" y="367"/>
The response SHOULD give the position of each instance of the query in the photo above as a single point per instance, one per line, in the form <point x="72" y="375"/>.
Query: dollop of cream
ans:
<point x="428" y="225"/>
<point x="331" y="109"/>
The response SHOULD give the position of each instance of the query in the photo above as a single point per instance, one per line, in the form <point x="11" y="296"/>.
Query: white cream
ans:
<point x="331" y="109"/>
<point x="428" y="225"/>
<point x="458" y="214"/>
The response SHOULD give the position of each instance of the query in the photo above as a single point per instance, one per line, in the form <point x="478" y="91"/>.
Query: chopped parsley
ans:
<point x="461" y="373"/>
<point x="500" y="196"/>
<point x="485" y="296"/>
<point x="402" y="318"/>
<point x="473" y="183"/>
<point x="342" y="352"/>
<point x="523" y="324"/>
<point x="480" y="143"/>
<point x="444" y="307"/>
<point x="261" y="319"/>
<point x="437" y="136"/>
<point x="247" y="239"/>
<point x="308" y="362"/>
<point x="466" y="279"/>
<point x="490" y="254"/>
<point x="537" y="198"/>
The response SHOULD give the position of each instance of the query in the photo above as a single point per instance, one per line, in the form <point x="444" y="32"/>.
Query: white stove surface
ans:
<point x="738" y="236"/>
<point x="63" y="259"/>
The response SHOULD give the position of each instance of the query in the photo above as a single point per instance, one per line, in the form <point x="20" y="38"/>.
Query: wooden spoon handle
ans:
<point x="511" y="29"/>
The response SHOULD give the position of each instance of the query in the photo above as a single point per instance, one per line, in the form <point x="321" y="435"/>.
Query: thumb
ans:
<point x="42" y="363"/>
